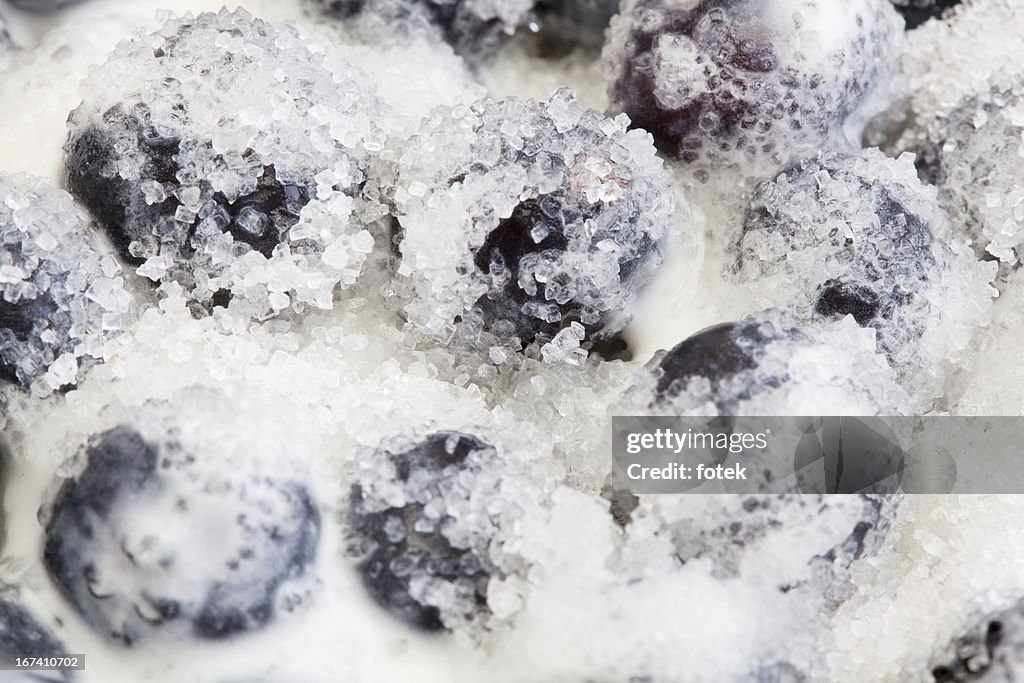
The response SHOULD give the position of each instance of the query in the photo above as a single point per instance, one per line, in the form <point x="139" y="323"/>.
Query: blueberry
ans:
<point x="474" y="31"/>
<point x="873" y="289"/>
<point x="22" y="635"/>
<point x="214" y="152"/>
<point x="724" y="82"/>
<point x="715" y="353"/>
<point x="917" y="12"/>
<point x="562" y="216"/>
<point x="991" y="650"/>
<point x="747" y="368"/>
<point x="858" y="235"/>
<point x="60" y="301"/>
<point x="405" y="550"/>
<point x="513" y="248"/>
<point x="149" y="539"/>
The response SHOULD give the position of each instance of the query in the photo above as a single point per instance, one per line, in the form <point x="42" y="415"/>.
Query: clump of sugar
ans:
<point x="62" y="300"/>
<point x="972" y="154"/>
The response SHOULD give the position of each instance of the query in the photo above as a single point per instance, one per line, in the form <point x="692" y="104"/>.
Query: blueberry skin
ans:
<point x="838" y="299"/>
<point x="431" y="552"/>
<point x="120" y="206"/>
<point x="716" y="353"/>
<point x="508" y="244"/>
<point x="124" y="469"/>
<point x="917" y="12"/>
<point x="22" y="635"/>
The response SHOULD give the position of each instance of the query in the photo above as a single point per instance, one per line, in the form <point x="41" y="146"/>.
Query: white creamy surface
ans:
<point x="574" y="616"/>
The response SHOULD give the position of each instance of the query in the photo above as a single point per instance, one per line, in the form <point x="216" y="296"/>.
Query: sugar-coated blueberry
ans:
<point x="727" y="82"/>
<point x="539" y="226"/>
<point x="229" y="155"/>
<point x="408" y="553"/>
<point x="859" y="235"/>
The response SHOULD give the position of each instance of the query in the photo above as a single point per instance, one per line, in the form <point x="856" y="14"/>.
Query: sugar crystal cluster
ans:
<point x="971" y="155"/>
<point x="61" y="298"/>
<point x="228" y="155"/>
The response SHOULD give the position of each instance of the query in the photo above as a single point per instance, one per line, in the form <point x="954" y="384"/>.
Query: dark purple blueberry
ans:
<point x="716" y="353"/>
<point x="121" y="205"/>
<point x="398" y="546"/>
<point x="127" y="587"/>
<point x="876" y="270"/>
